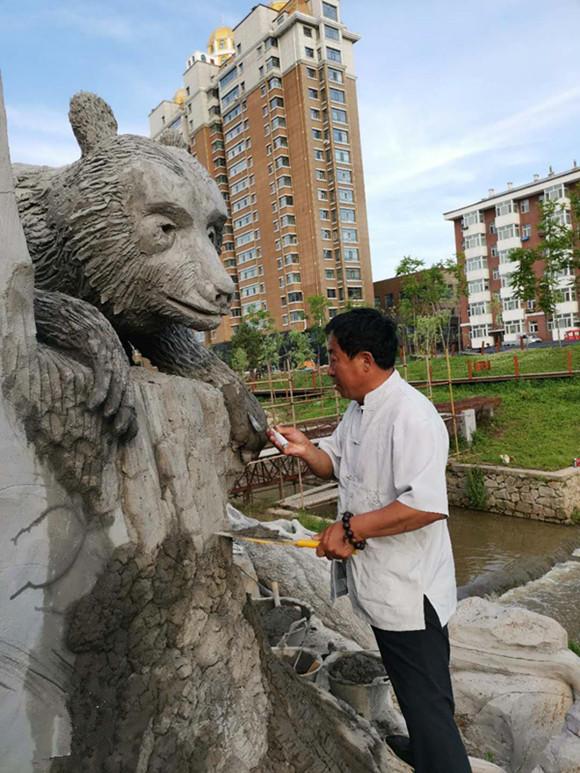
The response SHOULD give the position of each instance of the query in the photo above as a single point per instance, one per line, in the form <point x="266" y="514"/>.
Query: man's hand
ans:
<point x="299" y="445"/>
<point x="333" y="543"/>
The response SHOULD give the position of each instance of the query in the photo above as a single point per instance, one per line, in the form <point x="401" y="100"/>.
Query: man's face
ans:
<point x="350" y="375"/>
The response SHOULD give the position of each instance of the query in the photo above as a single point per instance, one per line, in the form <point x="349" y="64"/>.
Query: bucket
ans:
<point x="305" y="662"/>
<point x="360" y="679"/>
<point x="286" y="625"/>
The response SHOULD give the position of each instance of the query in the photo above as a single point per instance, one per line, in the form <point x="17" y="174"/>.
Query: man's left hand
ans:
<point x="333" y="543"/>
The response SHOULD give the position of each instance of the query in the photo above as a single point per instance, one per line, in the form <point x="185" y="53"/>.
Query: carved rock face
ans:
<point x="135" y="229"/>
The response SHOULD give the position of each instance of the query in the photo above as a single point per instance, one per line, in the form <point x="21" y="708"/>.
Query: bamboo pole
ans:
<point x="452" y="399"/>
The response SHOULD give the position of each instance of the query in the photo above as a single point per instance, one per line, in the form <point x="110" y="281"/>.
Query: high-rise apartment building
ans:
<point x="276" y="124"/>
<point x="485" y="233"/>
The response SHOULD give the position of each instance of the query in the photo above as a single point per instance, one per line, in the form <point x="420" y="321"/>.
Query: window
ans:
<point x="311" y="72"/>
<point x="233" y="113"/>
<point x="295" y="297"/>
<point x="240" y="186"/>
<point x="234" y="131"/>
<point x="320" y="174"/>
<point x="326" y="234"/>
<point x="339" y="135"/>
<point x="353" y="274"/>
<point x="329" y="273"/>
<point x="239" y="167"/>
<point x="230" y="96"/>
<point x="284" y="181"/>
<point x="514" y="326"/>
<point x="354" y="293"/>
<point x="333" y="54"/>
<point x="293" y="278"/>
<point x="274" y="83"/>
<point x="236" y="150"/>
<point x="282" y="161"/>
<point x="566" y="294"/>
<point x="508" y="232"/>
<point x="272" y="62"/>
<point x="474" y="264"/>
<point x="330" y="11"/>
<point x="245" y="238"/>
<point x="351" y="255"/>
<point x="322" y="195"/>
<point x="505" y="208"/>
<point x="504" y="256"/>
<point x="524" y="205"/>
<point x="477" y="286"/>
<point x="276" y="102"/>
<point x="289" y="239"/>
<point x="315" y="114"/>
<point x="349" y="234"/>
<point x="243" y="221"/>
<point x="554" y="193"/>
<point x="331" y="33"/>
<point x="313" y="93"/>
<point x="324" y="214"/>
<point x="510" y="304"/>
<point x="241" y="204"/>
<point x="250" y="273"/>
<point x="296" y="316"/>
<point x="526" y="232"/>
<point x="309" y="53"/>
<point x="307" y="32"/>
<point x="474" y="240"/>
<point x="317" y="134"/>
<point x="337" y="95"/>
<point x="335" y="75"/>
<point x="286" y="201"/>
<point x="318" y="154"/>
<point x="250" y="290"/>
<point x="346" y="195"/>
<point x="281" y="142"/>
<point x="495" y="273"/>
<point x="278" y="122"/>
<point x="227" y="78"/>
<point x="479" y="331"/>
<point x="344" y="175"/>
<point x="471" y="218"/>
<point x="476" y="309"/>
<point x="338" y="115"/>
<point x="347" y="215"/>
<point x="330" y="292"/>
<point x="342" y="156"/>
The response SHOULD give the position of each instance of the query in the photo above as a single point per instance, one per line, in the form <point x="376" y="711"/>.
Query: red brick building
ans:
<point x="485" y="233"/>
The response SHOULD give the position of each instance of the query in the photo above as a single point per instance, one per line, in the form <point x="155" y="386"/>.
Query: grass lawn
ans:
<point x="537" y="424"/>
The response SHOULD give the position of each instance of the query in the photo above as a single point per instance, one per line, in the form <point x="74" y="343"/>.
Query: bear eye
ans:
<point x="167" y="228"/>
<point x="215" y="236"/>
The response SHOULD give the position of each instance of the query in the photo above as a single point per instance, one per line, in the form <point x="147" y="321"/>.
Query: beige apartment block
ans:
<point x="276" y="124"/>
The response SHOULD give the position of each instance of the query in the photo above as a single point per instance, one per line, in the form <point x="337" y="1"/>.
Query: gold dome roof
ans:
<point x="278" y="4"/>
<point x="221" y="33"/>
<point x="179" y="97"/>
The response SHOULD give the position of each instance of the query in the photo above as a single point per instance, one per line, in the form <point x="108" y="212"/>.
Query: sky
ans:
<point x="455" y="96"/>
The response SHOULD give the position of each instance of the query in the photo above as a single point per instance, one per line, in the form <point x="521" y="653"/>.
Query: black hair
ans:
<point x="366" y="330"/>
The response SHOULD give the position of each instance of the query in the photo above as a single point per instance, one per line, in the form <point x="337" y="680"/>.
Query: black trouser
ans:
<point x="417" y="663"/>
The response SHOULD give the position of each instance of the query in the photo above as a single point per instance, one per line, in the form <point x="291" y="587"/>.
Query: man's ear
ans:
<point x="367" y="360"/>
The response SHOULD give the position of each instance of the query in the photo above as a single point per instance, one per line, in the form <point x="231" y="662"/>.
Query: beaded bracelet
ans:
<point x="349" y="534"/>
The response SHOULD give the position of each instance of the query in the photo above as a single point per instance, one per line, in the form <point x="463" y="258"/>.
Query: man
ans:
<point x="390" y="547"/>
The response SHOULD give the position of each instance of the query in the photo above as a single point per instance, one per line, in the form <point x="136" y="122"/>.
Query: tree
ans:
<point x="258" y="338"/>
<point x="239" y="361"/>
<point x="317" y="316"/>
<point x="299" y="348"/>
<point x="558" y="253"/>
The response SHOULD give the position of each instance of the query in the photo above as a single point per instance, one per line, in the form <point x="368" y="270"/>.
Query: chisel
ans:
<point x="299" y="543"/>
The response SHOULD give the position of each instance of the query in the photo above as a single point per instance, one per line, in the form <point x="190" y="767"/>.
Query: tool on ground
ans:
<point x="299" y="543"/>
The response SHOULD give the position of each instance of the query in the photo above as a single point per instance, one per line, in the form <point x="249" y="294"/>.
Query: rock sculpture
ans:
<point x="127" y="641"/>
<point x="515" y="680"/>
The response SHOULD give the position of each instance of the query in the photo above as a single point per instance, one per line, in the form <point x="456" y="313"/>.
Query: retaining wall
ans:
<point x="534" y="494"/>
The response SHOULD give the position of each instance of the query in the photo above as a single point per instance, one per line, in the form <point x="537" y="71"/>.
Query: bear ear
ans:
<point x="172" y="138"/>
<point x="92" y="121"/>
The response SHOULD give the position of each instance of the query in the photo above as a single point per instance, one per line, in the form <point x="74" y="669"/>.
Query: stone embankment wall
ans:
<point x="534" y="494"/>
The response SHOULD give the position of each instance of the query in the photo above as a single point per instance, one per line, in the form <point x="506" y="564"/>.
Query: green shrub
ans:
<point x="574" y="646"/>
<point x="475" y="488"/>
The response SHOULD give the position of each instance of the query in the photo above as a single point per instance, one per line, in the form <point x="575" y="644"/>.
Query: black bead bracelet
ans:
<point x="349" y="534"/>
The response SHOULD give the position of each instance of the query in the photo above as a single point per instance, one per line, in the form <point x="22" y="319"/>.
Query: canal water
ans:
<point x="529" y="562"/>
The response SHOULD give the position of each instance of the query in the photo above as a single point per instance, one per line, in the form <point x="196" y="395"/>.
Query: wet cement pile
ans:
<point x="360" y="668"/>
<point x="276" y="621"/>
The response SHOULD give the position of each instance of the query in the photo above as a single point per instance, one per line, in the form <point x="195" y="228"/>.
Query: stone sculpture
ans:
<point x="127" y="641"/>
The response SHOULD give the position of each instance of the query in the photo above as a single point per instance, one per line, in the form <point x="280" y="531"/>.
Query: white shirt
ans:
<point x="394" y="447"/>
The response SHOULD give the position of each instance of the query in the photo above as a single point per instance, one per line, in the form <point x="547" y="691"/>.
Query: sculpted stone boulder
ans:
<point x="127" y="643"/>
<point x="514" y="681"/>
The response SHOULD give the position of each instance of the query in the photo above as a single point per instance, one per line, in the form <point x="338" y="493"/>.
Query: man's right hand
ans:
<point x="299" y="445"/>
